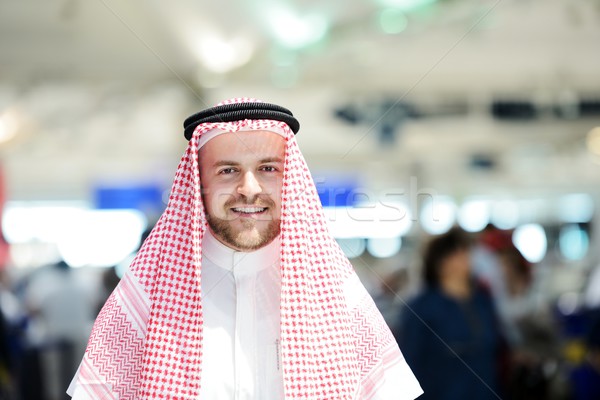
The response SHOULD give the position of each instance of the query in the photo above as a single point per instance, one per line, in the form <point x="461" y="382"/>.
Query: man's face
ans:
<point x="241" y="175"/>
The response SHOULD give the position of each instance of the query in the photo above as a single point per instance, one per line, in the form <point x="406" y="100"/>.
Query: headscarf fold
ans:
<point x="147" y="340"/>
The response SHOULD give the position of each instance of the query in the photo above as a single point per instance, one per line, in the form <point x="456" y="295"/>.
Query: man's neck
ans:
<point x="227" y="258"/>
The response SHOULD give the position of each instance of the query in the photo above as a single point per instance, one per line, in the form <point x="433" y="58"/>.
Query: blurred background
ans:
<point x="416" y="116"/>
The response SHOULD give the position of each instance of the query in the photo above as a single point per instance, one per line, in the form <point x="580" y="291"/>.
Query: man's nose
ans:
<point x="249" y="186"/>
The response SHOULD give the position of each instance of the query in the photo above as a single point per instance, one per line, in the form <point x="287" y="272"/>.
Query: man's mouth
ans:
<point x="249" y="210"/>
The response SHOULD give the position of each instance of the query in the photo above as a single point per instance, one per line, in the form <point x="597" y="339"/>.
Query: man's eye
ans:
<point x="226" y="171"/>
<point x="269" y="168"/>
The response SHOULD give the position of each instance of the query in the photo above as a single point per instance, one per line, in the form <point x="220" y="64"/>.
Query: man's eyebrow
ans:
<point x="272" y="160"/>
<point x="222" y="163"/>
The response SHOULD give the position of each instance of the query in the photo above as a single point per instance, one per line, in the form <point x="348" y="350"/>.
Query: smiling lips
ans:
<point x="249" y="207"/>
<point x="249" y="211"/>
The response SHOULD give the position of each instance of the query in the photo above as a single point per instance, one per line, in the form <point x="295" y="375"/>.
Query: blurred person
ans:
<point x="111" y="277"/>
<point x="61" y="311"/>
<point x="527" y="323"/>
<point x="240" y="291"/>
<point x="12" y="318"/>
<point x="6" y="359"/>
<point x="591" y="295"/>
<point x="389" y="298"/>
<point x="585" y="378"/>
<point x="529" y="328"/>
<point x="449" y="332"/>
<point x="499" y="265"/>
<point x="486" y="261"/>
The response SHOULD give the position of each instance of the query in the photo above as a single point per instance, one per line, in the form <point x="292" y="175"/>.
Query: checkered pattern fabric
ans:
<point x="147" y="340"/>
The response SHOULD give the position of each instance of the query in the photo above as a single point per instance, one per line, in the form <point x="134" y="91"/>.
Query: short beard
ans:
<point x="250" y="238"/>
<point x="245" y="240"/>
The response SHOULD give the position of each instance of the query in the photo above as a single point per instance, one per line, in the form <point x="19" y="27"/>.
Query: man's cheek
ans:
<point x="217" y="206"/>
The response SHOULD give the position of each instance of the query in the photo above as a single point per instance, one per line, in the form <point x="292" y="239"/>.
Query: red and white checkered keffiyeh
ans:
<point x="147" y="340"/>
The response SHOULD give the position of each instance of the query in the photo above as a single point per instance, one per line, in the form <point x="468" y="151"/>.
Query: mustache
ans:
<point x="257" y="201"/>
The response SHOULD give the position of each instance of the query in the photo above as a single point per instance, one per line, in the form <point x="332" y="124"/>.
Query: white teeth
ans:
<point x="249" y="210"/>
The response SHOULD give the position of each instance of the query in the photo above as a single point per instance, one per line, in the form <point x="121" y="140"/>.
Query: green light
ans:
<point x="392" y="21"/>
<point x="407" y="5"/>
<point x="285" y="77"/>
<point x="283" y="57"/>
<point x="573" y="242"/>
<point x="295" y="31"/>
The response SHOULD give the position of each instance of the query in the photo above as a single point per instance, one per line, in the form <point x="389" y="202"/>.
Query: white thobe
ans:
<point x="240" y="303"/>
<point x="241" y="352"/>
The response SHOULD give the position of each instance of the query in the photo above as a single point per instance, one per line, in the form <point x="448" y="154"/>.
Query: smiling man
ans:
<point x="240" y="292"/>
<point x="241" y="175"/>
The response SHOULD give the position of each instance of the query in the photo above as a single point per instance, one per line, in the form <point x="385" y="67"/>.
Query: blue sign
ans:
<point x="141" y="197"/>
<point x="336" y="190"/>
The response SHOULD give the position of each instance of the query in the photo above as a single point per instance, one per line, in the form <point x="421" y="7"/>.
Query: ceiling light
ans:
<point x="380" y="220"/>
<point x="438" y="215"/>
<point x="8" y="126"/>
<point x="505" y="214"/>
<point x="283" y="57"/>
<point x="474" y="215"/>
<point x="75" y="230"/>
<point x="392" y="21"/>
<point x="573" y="242"/>
<point x="593" y="141"/>
<point x="407" y="5"/>
<point x="293" y="31"/>
<point x="222" y="55"/>
<point x="531" y="241"/>
<point x="576" y="208"/>
<point x="384" y="247"/>
<point x="352" y="247"/>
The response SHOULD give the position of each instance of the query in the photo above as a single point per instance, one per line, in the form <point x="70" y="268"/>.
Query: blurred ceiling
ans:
<point x="467" y="45"/>
<point x="98" y="89"/>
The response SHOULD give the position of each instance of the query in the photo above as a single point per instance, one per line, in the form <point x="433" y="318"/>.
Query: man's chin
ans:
<point x="251" y="240"/>
<point x="247" y="236"/>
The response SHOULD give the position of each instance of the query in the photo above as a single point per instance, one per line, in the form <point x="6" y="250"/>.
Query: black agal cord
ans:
<point x="238" y="112"/>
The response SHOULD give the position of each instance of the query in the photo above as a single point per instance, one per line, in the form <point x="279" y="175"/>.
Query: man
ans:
<point x="240" y="292"/>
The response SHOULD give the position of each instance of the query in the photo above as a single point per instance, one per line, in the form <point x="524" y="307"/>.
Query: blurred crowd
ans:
<point x="480" y="326"/>
<point x="46" y="321"/>
<point x="473" y="323"/>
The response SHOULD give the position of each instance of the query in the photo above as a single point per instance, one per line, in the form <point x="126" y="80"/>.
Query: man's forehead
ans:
<point x="240" y="136"/>
<point x="255" y="145"/>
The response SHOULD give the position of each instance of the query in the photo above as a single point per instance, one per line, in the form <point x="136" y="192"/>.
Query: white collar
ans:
<point x="230" y="259"/>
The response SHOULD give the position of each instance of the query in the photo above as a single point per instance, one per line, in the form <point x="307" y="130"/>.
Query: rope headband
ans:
<point x="238" y="112"/>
